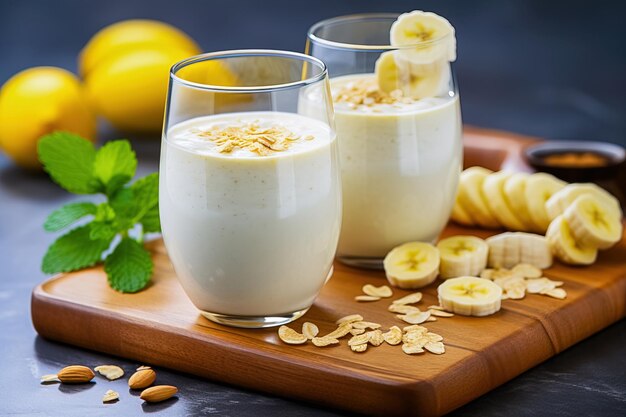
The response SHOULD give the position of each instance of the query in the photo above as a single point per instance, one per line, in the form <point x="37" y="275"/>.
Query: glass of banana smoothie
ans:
<point x="250" y="191"/>
<point x="399" y="127"/>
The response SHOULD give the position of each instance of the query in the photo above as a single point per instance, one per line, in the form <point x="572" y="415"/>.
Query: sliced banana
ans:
<point x="511" y="248"/>
<point x="593" y="223"/>
<point x="414" y="80"/>
<point x="460" y="215"/>
<point x="493" y="190"/>
<point x="430" y="35"/>
<point x="412" y="265"/>
<point x="515" y="196"/>
<point x="560" y="201"/>
<point x="470" y="296"/>
<point x="539" y="188"/>
<point x="471" y="196"/>
<point x="462" y="255"/>
<point x="565" y="247"/>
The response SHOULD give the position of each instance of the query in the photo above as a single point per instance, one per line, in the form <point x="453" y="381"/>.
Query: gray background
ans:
<point x="553" y="69"/>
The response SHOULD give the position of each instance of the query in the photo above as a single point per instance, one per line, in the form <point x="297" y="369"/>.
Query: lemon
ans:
<point x="38" y="101"/>
<point x="130" y="89"/>
<point x="132" y="35"/>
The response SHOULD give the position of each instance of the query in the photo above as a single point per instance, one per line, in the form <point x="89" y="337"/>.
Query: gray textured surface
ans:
<point x="553" y="70"/>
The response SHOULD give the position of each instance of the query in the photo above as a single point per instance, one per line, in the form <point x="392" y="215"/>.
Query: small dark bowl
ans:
<point x="613" y="155"/>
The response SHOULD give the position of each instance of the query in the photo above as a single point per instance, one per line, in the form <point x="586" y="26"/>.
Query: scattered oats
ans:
<point x="435" y="347"/>
<point x="366" y="298"/>
<point x="431" y="318"/>
<point x="350" y="319"/>
<point x="376" y="337"/>
<point x="540" y="285"/>
<point x="110" y="395"/>
<point x="340" y="331"/>
<point x="310" y="330"/>
<point x="393" y="336"/>
<point x="403" y="309"/>
<point x="557" y="293"/>
<point x="504" y="296"/>
<point x="414" y="338"/>
<point x="290" y="336"/>
<point x="516" y="293"/>
<point x="433" y="337"/>
<point x="324" y="341"/>
<point x="359" y="339"/>
<point x="355" y="332"/>
<point x="365" y="325"/>
<point x="143" y="367"/>
<point x="433" y="307"/>
<point x="414" y="327"/>
<point x="411" y="349"/>
<point x="383" y="291"/>
<point x="409" y="299"/>
<point x="440" y="313"/>
<point x="415" y="318"/>
<point x="365" y="93"/>
<point x="359" y="348"/>
<point x="527" y="271"/>
<point x="111" y="372"/>
<point x="46" y="379"/>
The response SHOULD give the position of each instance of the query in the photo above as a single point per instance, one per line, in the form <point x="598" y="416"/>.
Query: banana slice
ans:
<point x="414" y="80"/>
<point x="431" y="35"/>
<point x="412" y="265"/>
<point x="460" y="215"/>
<point x="560" y="201"/>
<point x="470" y="296"/>
<point x="493" y="190"/>
<point x="565" y="247"/>
<point x="515" y="196"/>
<point x="511" y="248"/>
<point x="471" y="196"/>
<point x="462" y="255"/>
<point x="539" y="188"/>
<point x="593" y="224"/>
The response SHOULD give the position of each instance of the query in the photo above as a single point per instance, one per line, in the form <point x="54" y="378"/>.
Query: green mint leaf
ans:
<point x="150" y="220"/>
<point x="102" y="230"/>
<point x="104" y="213"/>
<point x="74" y="250"/>
<point x="69" y="159"/>
<point x="67" y="215"/>
<point x="129" y="266"/>
<point x="115" y="183"/>
<point x="146" y="191"/>
<point x="115" y="159"/>
<point x="124" y="205"/>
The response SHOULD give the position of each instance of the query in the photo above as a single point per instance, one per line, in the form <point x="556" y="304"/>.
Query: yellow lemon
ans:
<point x="132" y="35"/>
<point x="38" y="101"/>
<point x="130" y="89"/>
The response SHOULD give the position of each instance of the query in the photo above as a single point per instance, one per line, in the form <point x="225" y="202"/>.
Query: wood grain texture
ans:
<point x="160" y="326"/>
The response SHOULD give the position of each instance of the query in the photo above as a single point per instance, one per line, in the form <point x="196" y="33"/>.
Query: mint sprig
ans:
<point x="116" y="226"/>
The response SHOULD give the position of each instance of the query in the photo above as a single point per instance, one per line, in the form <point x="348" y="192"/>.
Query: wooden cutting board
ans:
<point x="160" y="326"/>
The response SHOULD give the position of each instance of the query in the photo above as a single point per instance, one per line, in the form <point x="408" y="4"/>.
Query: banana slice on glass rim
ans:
<point x="416" y="81"/>
<point x="470" y="296"/>
<point x="429" y="36"/>
<point x="412" y="265"/>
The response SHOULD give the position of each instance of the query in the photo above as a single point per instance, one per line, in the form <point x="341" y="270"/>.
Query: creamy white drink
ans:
<point x="251" y="210"/>
<point x="400" y="164"/>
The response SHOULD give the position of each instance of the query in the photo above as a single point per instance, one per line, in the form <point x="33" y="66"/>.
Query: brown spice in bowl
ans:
<point x="576" y="160"/>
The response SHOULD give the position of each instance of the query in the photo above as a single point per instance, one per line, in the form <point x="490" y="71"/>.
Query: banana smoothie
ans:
<point x="250" y="200"/>
<point x="398" y="124"/>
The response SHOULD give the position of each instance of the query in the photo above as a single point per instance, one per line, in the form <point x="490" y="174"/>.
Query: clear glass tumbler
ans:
<point x="400" y="149"/>
<point x="250" y="193"/>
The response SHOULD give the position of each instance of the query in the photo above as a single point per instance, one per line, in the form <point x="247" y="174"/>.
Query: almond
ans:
<point x="75" y="374"/>
<point x="142" y="378"/>
<point x="158" y="393"/>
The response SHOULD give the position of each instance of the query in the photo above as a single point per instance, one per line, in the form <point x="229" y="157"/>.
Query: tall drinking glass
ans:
<point x="250" y="195"/>
<point x="399" y="127"/>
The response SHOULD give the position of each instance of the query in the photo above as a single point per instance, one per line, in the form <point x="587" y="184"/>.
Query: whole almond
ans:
<point x="75" y="374"/>
<point x="142" y="378"/>
<point x="158" y="393"/>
